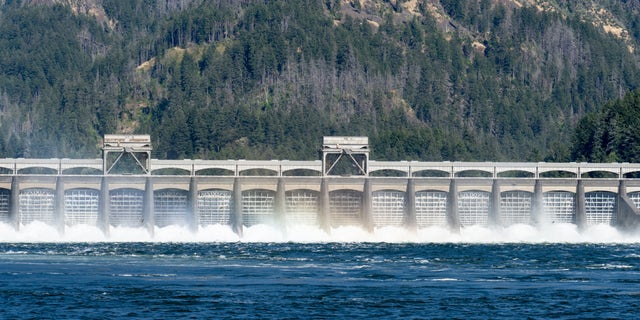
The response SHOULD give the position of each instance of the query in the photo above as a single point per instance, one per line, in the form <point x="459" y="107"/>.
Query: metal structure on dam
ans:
<point x="128" y="188"/>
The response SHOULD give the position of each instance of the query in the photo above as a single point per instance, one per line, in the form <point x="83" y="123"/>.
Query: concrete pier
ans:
<point x="104" y="206"/>
<point x="367" y="206"/>
<point x="453" y="218"/>
<point x="410" y="221"/>
<point x="236" y="220"/>
<point x="581" y="213"/>
<point x="628" y="217"/>
<point x="59" y="218"/>
<point x="495" y="218"/>
<point x="148" y="216"/>
<point x="537" y="207"/>
<point x="14" y="202"/>
<point x="280" y="207"/>
<point x="193" y="219"/>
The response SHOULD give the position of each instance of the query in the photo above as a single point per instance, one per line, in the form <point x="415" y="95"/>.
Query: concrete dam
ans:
<point x="128" y="188"/>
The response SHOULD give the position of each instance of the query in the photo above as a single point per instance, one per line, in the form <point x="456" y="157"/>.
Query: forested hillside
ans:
<point x="425" y="80"/>
<point x="612" y="134"/>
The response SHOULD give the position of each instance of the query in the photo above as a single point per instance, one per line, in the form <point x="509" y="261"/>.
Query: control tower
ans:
<point x="126" y="154"/>
<point x="345" y="156"/>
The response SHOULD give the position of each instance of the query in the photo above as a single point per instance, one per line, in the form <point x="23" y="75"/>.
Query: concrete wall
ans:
<point x="327" y="190"/>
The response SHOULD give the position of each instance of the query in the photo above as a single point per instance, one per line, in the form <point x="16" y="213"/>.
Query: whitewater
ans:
<point x="39" y="232"/>
<point x="302" y="272"/>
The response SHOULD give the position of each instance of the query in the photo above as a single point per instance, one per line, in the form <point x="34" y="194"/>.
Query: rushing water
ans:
<point x="517" y="272"/>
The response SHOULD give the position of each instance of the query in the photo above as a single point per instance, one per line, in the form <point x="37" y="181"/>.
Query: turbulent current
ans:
<point x="553" y="271"/>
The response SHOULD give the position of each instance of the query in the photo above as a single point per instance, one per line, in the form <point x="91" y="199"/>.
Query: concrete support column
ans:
<point x="148" y="217"/>
<point x="622" y="196"/>
<point x="495" y="216"/>
<point x="58" y="218"/>
<point x="581" y="212"/>
<point x="410" y="220"/>
<point x="627" y="215"/>
<point x="367" y="206"/>
<point x="104" y="207"/>
<point x="622" y="188"/>
<point x="280" y="210"/>
<point x="236" y="218"/>
<point x="537" y="205"/>
<point x="453" y="218"/>
<point x="14" y="203"/>
<point x="193" y="218"/>
<point x="323" y="212"/>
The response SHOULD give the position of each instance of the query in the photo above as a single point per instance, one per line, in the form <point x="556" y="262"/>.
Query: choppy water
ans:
<point x="518" y="272"/>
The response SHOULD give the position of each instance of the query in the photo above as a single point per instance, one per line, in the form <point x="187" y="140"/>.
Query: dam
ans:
<point x="344" y="188"/>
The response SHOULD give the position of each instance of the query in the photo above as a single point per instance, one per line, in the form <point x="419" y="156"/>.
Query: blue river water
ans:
<point x="320" y="279"/>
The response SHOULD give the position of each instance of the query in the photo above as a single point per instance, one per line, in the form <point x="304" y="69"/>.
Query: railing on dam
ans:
<point x="291" y="168"/>
<point x="242" y="193"/>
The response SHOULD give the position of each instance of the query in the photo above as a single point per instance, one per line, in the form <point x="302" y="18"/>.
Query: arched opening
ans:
<point x="258" y="207"/>
<point x="5" y="205"/>
<point x="558" y="174"/>
<point x="600" y="175"/>
<point x="388" y="208"/>
<point x="36" y="204"/>
<point x="126" y="207"/>
<point x="474" y="207"/>
<point x="82" y="171"/>
<point x="345" y="207"/>
<point x="170" y="207"/>
<point x="258" y="173"/>
<point x="632" y="175"/>
<point x="635" y="198"/>
<point x="5" y="171"/>
<point x="600" y="207"/>
<point x="215" y="172"/>
<point x="302" y="207"/>
<point x="431" y="208"/>
<point x="215" y="206"/>
<point x="388" y="173"/>
<point x="171" y="172"/>
<point x="81" y="206"/>
<point x="38" y="170"/>
<point x="302" y="173"/>
<point x="515" y="207"/>
<point x="559" y="207"/>
<point x="516" y="174"/>
<point x="474" y="174"/>
<point x="431" y="174"/>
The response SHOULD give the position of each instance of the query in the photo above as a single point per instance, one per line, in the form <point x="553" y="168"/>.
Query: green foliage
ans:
<point x="44" y="66"/>
<point x="267" y="79"/>
<point x="611" y="134"/>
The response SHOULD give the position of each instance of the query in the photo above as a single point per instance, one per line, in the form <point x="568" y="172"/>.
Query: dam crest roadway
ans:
<point x="128" y="188"/>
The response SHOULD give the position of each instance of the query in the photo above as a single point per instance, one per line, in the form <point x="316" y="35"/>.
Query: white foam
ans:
<point x="518" y="233"/>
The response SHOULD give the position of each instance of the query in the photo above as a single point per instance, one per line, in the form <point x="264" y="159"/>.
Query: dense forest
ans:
<point x="425" y="80"/>
<point x="612" y="134"/>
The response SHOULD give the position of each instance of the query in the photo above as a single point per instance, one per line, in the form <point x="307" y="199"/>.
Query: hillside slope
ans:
<point x="427" y="80"/>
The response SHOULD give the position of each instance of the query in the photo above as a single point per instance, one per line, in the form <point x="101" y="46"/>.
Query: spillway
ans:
<point x="325" y="194"/>
<point x="387" y="203"/>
